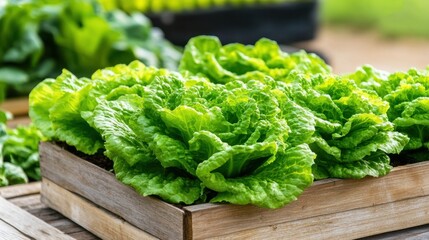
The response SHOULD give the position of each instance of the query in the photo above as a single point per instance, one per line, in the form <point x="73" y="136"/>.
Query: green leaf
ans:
<point x="111" y="119"/>
<point x="13" y="76"/>
<point x="271" y="186"/>
<point x="205" y="55"/>
<point x="152" y="179"/>
<point x="14" y="174"/>
<point x="375" y="165"/>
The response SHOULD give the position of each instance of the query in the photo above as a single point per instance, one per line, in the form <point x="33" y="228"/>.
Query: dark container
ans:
<point x="285" y="23"/>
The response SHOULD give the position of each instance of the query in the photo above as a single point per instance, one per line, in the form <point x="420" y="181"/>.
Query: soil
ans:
<point x="97" y="159"/>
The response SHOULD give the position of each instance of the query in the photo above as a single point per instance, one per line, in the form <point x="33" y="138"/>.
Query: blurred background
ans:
<point x="391" y="35"/>
<point x="41" y="37"/>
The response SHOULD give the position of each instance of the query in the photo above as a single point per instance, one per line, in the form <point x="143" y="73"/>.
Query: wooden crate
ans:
<point x="330" y="209"/>
<point x="19" y="109"/>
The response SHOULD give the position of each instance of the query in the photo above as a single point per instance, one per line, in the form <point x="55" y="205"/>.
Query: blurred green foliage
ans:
<point x="41" y="37"/>
<point x="19" y="153"/>
<point x="390" y="17"/>
<point x="181" y="5"/>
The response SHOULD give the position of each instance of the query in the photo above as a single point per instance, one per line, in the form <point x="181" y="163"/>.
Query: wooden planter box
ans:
<point x="19" y="109"/>
<point x="330" y="209"/>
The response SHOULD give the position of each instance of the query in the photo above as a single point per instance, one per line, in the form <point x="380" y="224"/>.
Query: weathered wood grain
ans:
<point x="9" y="232"/>
<point x="345" y="225"/>
<point x="99" y="186"/>
<point x="28" y="224"/>
<point x="27" y="202"/>
<point x="97" y="220"/>
<point x="324" y="197"/>
<point x="20" y="190"/>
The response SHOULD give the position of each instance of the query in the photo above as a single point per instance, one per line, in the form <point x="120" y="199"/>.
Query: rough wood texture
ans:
<point x="27" y="197"/>
<point x="20" y="190"/>
<point x="324" y="197"/>
<point x="351" y="224"/>
<point x="28" y="224"/>
<point x="16" y="106"/>
<point x="99" y="186"/>
<point x="330" y="209"/>
<point x="9" y="232"/>
<point x="102" y="223"/>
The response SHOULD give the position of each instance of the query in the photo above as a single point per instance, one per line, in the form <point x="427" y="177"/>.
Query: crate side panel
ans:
<point x="99" y="186"/>
<point x="93" y="218"/>
<point x="351" y="224"/>
<point x="324" y="197"/>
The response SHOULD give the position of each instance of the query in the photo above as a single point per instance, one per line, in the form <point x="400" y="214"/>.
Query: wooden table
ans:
<point x="23" y="216"/>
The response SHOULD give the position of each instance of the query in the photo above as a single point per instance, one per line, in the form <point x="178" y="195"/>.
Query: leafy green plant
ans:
<point x="184" y="139"/>
<point x="40" y="37"/>
<point x="19" y="155"/>
<point x="182" y="5"/>
<point x="239" y="124"/>
<point x="408" y="96"/>
<point x="353" y="134"/>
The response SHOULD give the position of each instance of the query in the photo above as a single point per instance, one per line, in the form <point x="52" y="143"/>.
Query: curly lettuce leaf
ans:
<point x="271" y="186"/>
<point x="407" y="94"/>
<point x="205" y="55"/>
<point x="375" y="165"/>
<point x="152" y="179"/>
<point x="351" y="124"/>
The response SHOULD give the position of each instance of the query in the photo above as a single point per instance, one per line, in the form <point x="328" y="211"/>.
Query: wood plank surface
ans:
<point x="62" y="223"/>
<point x="27" y="197"/>
<point x="16" y="106"/>
<point x="97" y="220"/>
<point x="351" y="224"/>
<point x="28" y="224"/>
<point x="156" y="217"/>
<point x="19" y="121"/>
<point x="9" y="232"/>
<point x="20" y="190"/>
<point x="324" y="197"/>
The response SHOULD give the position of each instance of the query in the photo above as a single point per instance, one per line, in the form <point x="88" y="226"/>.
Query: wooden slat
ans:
<point x="420" y="232"/>
<point x="19" y="121"/>
<point x="26" y="223"/>
<point x="16" y="106"/>
<point x="20" y="190"/>
<point x="27" y="202"/>
<point x="324" y="197"/>
<point x="351" y="224"/>
<point x="9" y="232"/>
<point x="99" y="186"/>
<point x="95" y="219"/>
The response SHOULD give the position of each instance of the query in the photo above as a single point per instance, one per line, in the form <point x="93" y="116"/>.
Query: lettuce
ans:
<point x="239" y="124"/>
<point x="348" y="123"/>
<point x="168" y="133"/>
<point x="205" y="55"/>
<point x="19" y="156"/>
<point x="40" y="38"/>
<point x="408" y="96"/>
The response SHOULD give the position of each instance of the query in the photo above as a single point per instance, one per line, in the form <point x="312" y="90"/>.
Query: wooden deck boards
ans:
<point x="23" y="216"/>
